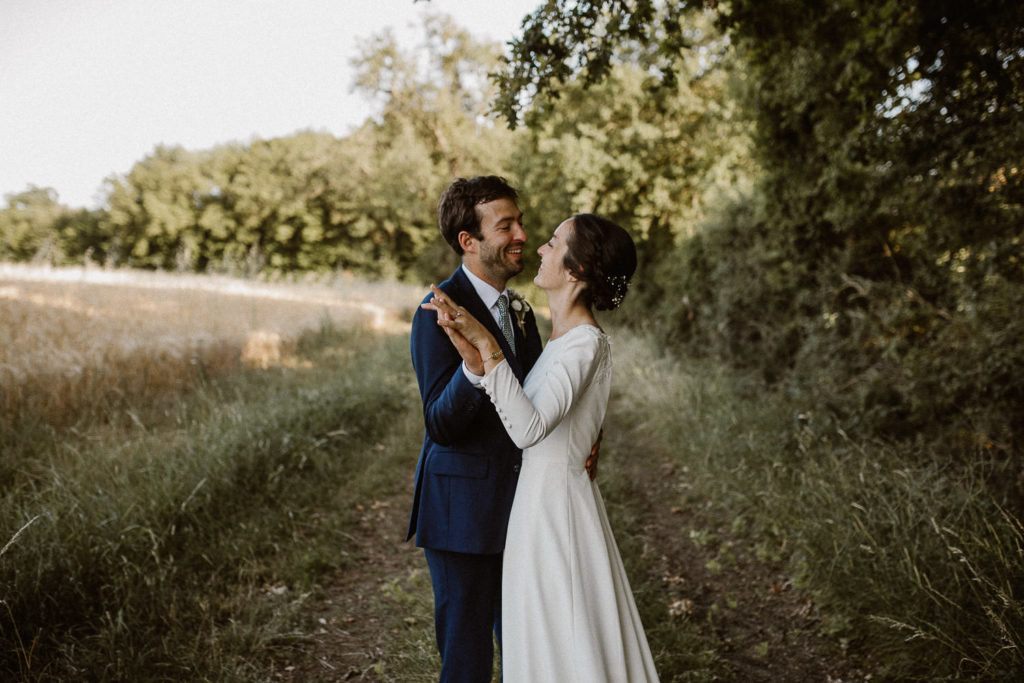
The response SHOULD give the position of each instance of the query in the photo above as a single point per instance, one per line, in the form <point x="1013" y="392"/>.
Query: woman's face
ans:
<point x="552" y="273"/>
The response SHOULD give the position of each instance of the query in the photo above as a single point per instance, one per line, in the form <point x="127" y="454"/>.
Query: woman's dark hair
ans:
<point x="456" y="210"/>
<point x="600" y="254"/>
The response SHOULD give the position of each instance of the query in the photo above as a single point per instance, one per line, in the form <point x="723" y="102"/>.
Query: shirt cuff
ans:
<point x="475" y="380"/>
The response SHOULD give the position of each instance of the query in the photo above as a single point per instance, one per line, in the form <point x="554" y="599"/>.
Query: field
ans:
<point x="75" y="339"/>
<point x="208" y="479"/>
<point x="139" y="410"/>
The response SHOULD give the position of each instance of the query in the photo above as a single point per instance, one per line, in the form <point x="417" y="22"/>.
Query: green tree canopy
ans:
<point x="435" y="124"/>
<point x="883" y="232"/>
<point x="35" y="226"/>
<point x="310" y="201"/>
<point x="651" y="156"/>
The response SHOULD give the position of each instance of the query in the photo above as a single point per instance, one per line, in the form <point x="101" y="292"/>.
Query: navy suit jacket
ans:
<point x="468" y="467"/>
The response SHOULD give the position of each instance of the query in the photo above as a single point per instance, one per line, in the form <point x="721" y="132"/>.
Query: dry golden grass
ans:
<point x="77" y="339"/>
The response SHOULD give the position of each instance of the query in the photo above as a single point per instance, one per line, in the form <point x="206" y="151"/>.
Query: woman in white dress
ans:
<point x="568" y="614"/>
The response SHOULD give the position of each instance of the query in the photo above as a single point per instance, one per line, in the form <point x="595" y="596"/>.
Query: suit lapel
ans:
<point x="467" y="296"/>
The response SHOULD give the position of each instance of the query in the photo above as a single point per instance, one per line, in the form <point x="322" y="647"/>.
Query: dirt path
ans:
<point x="745" y="610"/>
<point x="356" y="627"/>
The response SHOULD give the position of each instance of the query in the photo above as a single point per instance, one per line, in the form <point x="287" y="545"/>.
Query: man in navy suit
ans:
<point x="468" y="467"/>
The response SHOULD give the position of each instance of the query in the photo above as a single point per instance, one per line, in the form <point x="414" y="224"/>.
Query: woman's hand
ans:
<point x="470" y="338"/>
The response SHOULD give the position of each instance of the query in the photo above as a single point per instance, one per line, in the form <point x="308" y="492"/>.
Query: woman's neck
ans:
<point x="567" y="312"/>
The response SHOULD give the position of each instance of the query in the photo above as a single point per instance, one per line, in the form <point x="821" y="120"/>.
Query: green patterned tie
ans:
<point x="506" y="322"/>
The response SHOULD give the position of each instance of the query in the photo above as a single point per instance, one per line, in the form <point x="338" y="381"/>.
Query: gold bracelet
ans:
<point x="497" y="355"/>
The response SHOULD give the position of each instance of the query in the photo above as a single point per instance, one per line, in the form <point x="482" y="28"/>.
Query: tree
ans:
<point x="154" y="209"/>
<point x="884" y="228"/>
<point x="656" y="158"/>
<point x="272" y="203"/>
<point x="310" y="201"/>
<point x="434" y="125"/>
<point x="27" y="224"/>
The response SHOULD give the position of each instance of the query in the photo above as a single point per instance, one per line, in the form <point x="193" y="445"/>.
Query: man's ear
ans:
<point x="467" y="242"/>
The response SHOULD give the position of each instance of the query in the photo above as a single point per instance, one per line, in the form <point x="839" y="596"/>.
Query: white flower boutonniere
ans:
<point x="519" y="307"/>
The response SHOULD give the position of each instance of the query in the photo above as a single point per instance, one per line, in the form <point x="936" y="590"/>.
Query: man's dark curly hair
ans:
<point x="456" y="210"/>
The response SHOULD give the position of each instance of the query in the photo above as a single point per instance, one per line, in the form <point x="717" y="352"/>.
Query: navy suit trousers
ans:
<point x="467" y="607"/>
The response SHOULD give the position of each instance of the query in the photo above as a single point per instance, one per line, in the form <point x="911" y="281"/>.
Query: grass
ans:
<point x="188" y="551"/>
<point x="180" y="534"/>
<point x="194" y="534"/>
<point x="80" y="343"/>
<point x="906" y="550"/>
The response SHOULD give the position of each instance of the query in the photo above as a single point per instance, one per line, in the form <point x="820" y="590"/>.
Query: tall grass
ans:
<point x="187" y="552"/>
<point x="178" y="535"/>
<point x="183" y="536"/>
<point x="909" y="554"/>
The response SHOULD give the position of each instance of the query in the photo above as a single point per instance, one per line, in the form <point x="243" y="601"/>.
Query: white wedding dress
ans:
<point x="568" y="615"/>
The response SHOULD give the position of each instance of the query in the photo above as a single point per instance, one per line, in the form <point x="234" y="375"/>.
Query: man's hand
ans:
<point x="594" y="453"/>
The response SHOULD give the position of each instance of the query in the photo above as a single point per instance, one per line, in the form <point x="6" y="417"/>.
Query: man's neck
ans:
<point x="499" y="285"/>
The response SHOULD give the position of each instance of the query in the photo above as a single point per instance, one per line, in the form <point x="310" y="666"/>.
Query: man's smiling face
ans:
<point x="499" y="254"/>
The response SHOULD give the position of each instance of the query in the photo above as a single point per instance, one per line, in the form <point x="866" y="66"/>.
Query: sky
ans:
<point x="89" y="87"/>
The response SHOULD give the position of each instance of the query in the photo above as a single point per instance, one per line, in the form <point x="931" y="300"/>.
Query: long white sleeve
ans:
<point x="526" y="422"/>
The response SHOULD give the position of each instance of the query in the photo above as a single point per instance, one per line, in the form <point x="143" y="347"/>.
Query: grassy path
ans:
<point x="248" y="527"/>
<point x="713" y="609"/>
<point x="714" y="605"/>
<point x="256" y="534"/>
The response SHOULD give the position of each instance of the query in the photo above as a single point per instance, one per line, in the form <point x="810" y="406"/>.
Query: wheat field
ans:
<point x="77" y="339"/>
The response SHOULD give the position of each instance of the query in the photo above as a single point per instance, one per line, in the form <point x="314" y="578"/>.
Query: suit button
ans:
<point x="515" y="468"/>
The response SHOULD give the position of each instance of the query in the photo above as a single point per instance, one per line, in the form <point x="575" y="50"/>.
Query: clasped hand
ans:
<point x="471" y="339"/>
<point x="475" y="344"/>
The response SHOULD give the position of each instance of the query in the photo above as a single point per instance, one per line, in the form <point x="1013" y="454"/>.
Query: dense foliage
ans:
<point x="883" y="234"/>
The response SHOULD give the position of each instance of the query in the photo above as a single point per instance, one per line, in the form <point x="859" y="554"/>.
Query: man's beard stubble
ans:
<point x="493" y="260"/>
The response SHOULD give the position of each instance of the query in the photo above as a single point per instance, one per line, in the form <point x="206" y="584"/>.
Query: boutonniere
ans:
<point x="519" y="307"/>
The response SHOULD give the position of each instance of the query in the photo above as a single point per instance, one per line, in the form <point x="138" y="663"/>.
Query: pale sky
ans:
<point x="89" y="87"/>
